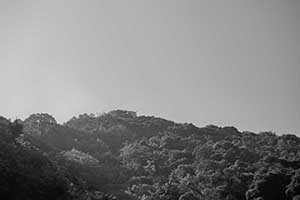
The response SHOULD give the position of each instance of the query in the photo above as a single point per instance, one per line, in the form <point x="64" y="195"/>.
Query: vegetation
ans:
<point x="119" y="155"/>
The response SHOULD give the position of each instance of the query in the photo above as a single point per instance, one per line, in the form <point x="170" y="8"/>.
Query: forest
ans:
<point x="120" y="155"/>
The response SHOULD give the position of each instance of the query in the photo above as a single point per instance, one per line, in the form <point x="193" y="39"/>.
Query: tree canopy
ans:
<point x="120" y="155"/>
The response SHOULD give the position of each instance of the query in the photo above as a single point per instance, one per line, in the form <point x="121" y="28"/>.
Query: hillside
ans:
<point x="120" y="155"/>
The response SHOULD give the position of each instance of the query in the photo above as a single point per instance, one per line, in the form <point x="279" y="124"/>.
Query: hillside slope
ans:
<point x="141" y="157"/>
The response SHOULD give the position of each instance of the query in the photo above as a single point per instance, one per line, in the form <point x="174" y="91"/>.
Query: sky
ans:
<point x="228" y="63"/>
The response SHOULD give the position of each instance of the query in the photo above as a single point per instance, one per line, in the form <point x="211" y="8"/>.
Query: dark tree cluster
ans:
<point x="120" y="155"/>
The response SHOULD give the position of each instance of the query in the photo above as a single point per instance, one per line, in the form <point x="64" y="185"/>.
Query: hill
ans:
<point x="120" y="155"/>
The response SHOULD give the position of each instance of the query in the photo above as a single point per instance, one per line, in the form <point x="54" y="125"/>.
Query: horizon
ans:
<point x="228" y="64"/>
<point x="97" y="114"/>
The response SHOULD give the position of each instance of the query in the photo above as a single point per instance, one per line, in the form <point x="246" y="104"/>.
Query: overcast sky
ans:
<point x="207" y="62"/>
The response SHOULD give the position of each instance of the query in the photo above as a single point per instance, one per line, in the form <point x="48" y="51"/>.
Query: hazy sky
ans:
<point x="206" y="62"/>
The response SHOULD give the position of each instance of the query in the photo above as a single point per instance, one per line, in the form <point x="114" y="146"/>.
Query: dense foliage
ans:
<point x="126" y="156"/>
